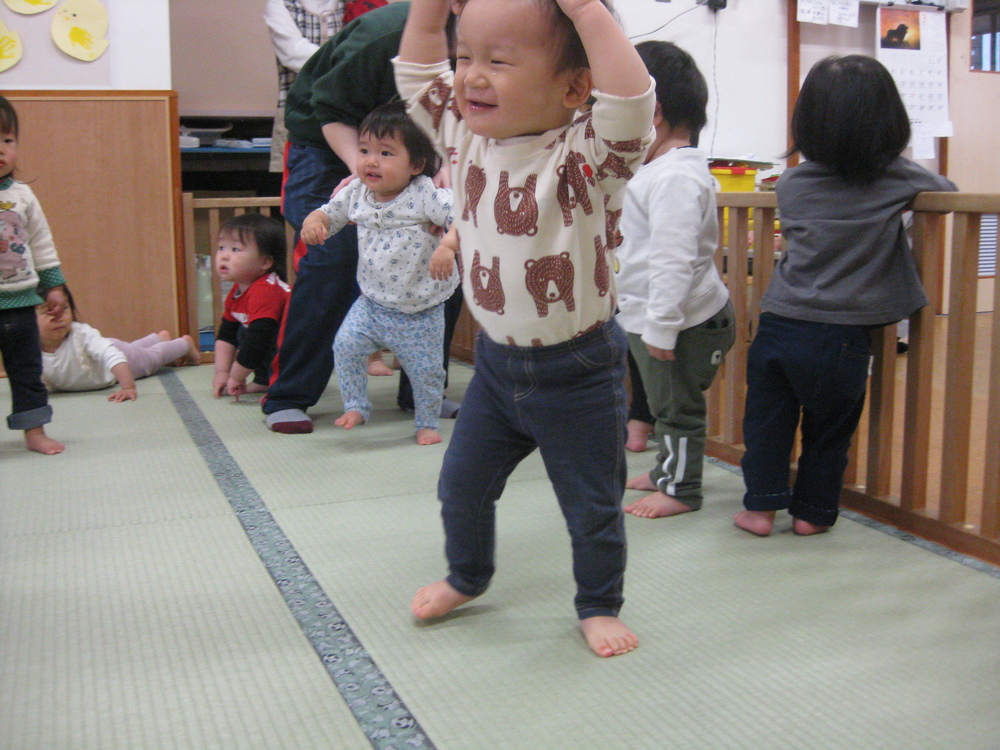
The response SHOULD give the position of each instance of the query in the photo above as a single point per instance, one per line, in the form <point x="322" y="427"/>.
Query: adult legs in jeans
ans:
<point x="819" y="371"/>
<point x="323" y="292"/>
<point x="325" y="287"/>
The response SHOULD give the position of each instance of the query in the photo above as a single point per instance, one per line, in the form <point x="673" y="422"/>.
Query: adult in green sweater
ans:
<point x="348" y="76"/>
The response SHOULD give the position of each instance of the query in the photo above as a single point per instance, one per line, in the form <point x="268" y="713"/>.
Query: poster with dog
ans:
<point x="913" y="45"/>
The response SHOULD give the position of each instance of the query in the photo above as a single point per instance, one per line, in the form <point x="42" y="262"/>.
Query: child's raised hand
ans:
<point x="125" y="394"/>
<point x="442" y="262"/>
<point x="314" y="228"/>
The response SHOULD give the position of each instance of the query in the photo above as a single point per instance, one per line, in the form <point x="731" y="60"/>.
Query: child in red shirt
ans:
<point x="250" y="255"/>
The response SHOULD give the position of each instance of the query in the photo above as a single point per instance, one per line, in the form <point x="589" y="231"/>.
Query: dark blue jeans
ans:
<point x="569" y="401"/>
<point x="325" y="285"/>
<point x="816" y="371"/>
<point x="22" y="359"/>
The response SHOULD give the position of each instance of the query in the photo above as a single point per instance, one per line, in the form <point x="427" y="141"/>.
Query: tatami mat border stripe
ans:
<point x="937" y="549"/>
<point x="383" y="716"/>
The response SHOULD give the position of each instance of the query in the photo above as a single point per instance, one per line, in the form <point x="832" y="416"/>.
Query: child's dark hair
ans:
<point x="267" y="233"/>
<point x="8" y="117"/>
<point x="850" y="117"/>
<point x="681" y="90"/>
<point x="391" y="121"/>
<point x="573" y="54"/>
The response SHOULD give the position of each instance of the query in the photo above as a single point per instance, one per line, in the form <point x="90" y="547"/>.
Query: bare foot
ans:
<point x="376" y="365"/>
<point x="194" y="355"/>
<point x="428" y="436"/>
<point x="164" y="336"/>
<point x="638" y="435"/>
<point x="255" y="388"/>
<point x="349" y="419"/>
<point x="804" y="528"/>
<point x="641" y="482"/>
<point x="657" y="505"/>
<point x="759" y="522"/>
<point x="437" y="600"/>
<point x="608" y="636"/>
<point x="39" y="442"/>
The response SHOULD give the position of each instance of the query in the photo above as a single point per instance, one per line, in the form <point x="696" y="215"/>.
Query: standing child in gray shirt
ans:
<point x="846" y="269"/>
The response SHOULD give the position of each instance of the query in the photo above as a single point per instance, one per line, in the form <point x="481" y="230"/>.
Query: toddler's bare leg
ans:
<point x="349" y="419"/>
<point x="759" y="522"/>
<point x="638" y="435"/>
<point x="39" y="442"/>
<point x="428" y="436"/>
<point x="437" y="600"/>
<point x="608" y="636"/>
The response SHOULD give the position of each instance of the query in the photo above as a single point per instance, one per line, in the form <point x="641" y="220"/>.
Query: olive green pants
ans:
<point x="675" y="390"/>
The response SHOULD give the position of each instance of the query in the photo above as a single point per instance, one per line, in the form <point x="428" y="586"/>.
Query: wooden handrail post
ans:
<point x="958" y="378"/>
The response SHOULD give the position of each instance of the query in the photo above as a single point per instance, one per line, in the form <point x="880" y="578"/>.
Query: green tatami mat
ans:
<point x="145" y="618"/>
<point x="133" y="611"/>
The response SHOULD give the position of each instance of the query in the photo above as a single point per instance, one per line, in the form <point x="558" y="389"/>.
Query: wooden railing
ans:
<point x="927" y="455"/>
<point x="921" y="460"/>
<point x="202" y="219"/>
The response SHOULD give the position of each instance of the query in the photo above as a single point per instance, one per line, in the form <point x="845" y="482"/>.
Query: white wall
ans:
<point x="223" y="74"/>
<point x="141" y="57"/>
<point x="138" y="56"/>
<point x="741" y="50"/>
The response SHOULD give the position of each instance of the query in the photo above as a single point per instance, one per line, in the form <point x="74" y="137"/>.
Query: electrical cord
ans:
<point x="697" y="4"/>
<point x="715" y="60"/>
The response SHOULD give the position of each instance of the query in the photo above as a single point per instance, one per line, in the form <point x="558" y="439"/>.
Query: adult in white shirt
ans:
<point x="297" y="28"/>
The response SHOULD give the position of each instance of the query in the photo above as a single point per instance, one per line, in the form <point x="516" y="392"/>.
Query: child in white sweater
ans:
<point x="76" y="357"/>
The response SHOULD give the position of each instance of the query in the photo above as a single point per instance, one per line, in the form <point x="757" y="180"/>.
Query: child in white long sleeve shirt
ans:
<point x="672" y="301"/>
<point x="76" y="357"/>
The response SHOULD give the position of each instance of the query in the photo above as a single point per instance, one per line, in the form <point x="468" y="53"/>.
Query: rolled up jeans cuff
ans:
<point x="26" y="420"/>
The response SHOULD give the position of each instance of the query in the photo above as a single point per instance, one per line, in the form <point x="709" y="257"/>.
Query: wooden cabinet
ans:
<point x="106" y="167"/>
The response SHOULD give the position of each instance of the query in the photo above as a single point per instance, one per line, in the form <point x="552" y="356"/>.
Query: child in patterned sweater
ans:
<point x="538" y="192"/>
<point x="30" y="273"/>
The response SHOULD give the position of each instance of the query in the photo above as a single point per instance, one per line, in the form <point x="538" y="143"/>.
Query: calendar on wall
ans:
<point x="913" y="45"/>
